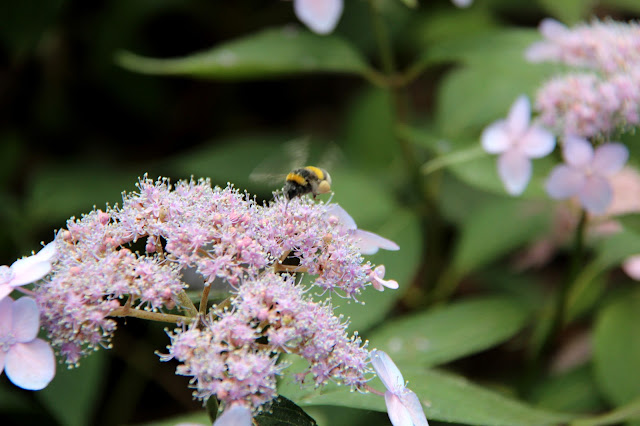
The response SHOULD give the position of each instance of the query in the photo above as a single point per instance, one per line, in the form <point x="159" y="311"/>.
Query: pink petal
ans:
<point x="564" y="182"/>
<point x="321" y="16"/>
<point x="236" y="415"/>
<point x="551" y="29"/>
<point x="387" y="371"/>
<point x="514" y="169"/>
<point x="609" y="158"/>
<point x="398" y="413"/>
<point x="632" y="267"/>
<point x="495" y="138"/>
<point x="519" y="115"/>
<point x="343" y="217"/>
<point x="369" y="243"/>
<point x="413" y="405"/>
<point x="3" y="358"/>
<point x="462" y="3"/>
<point x="48" y="252"/>
<point x="596" y="194"/>
<point x="6" y="317"/>
<point x="26" y="319"/>
<point x="31" y="365"/>
<point x="29" y="269"/>
<point x="5" y="290"/>
<point x="538" y="142"/>
<point x="577" y="152"/>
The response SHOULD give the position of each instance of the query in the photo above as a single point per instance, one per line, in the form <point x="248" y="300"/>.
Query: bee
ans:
<point x="306" y="180"/>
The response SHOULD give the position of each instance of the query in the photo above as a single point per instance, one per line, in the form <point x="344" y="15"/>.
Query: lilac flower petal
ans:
<point x="236" y="415"/>
<point x="540" y="51"/>
<point x="5" y="290"/>
<point x="31" y="365"/>
<point x="609" y="158"/>
<point x="343" y="217"/>
<point x="596" y="194"/>
<point x="413" y="405"/>
<point x="495" y="138"/>
<point x="29" y="269"/>
<point x="462" y="3"/>
<point x="321" y="16"/>
<point x="6" y="317"/>
<point x="26" y="319"/>
<point x="398" y="413"/>
<point x="3" y="358"/>
<point x="369" y="243"/>
<point x="519" y="115"/>
<point x="550" y="28"/>
<point x="514" y="169"/>
<point x="577" y="152"/>
<point x="387" y="371"/>
<point x="48" y="252"/>
<point x="538" y="142"/>
<point x="564" y="182"/>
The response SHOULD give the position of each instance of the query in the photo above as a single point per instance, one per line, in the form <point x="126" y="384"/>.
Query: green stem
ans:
<point x="127" y="311"/>
<point x="382" y="39"/>
<point x="204" y="299"/>
<point x="187" y="304"/>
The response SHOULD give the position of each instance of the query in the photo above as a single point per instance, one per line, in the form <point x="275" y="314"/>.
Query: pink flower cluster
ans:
<point x="602" y="94"/>
<point x="231" y="353"/>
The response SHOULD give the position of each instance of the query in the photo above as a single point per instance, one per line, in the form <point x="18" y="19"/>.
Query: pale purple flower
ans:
<point x="321" y="16"/>
<point x="403" y="406"/>
<point x="587" y="172"/>
<point x="462" y="3"/>
<point x="28" y="361"/>
<point x="378" y="282"/>
<point x="367" y="242"/>
<point x="517" y="141"/>
<point x="26" y="270"/>
<point x="236" y="415"/>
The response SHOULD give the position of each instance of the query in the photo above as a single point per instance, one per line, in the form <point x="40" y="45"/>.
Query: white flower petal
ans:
<point x="236" y="415"/>
<point x="343" y="217"/>
<point x="632" y="267"/>
<point x="577" y="152"/>
<point x="462" y="3"/>
<point x="369" y="243"/>
<point x="495" y="138"/>
<point x="6" y="317"/>
<point x="26" y="319"/>
<point x="31" y="365"/>
<point x="398" y="413"/>
<point x="387" y="371"/>
<point x="321" y="16"/>
<point x="48" y="252"/>
<point x="29" y="269"/>
<point x="609" y="158"/>
<point x="538" y="142"/>
<point x="514" y="169"/>
<point x="5" y="290"/>
<point x="564" y="182"/>
<point x="552" y="29"/>
<point x="519" y="116"/>
<point x="413" y="405"/>
<point x="596" y="194"/>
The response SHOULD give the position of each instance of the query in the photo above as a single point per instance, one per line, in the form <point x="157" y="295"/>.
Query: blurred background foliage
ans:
<point x="92" y="98"/>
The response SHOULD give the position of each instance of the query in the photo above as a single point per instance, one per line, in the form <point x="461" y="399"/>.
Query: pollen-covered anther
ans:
<point x="327" y="238"/>
<point x="324" y="187"/>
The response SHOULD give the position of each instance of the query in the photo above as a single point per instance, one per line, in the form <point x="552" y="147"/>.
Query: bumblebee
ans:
<point x="305" y="180"/>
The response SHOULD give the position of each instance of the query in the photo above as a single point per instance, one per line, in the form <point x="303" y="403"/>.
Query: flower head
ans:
<point x="321" y="16"/>
<point x="517" y="142"/>
<point x="26" y="270"/>
<point x="28" y="361"/>
<point x="403" y="406"/>
<point x="587" y="173"/>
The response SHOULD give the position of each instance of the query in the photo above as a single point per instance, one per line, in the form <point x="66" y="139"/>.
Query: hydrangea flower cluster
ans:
<point x="603" y="94"/>
<point x="129" y="260"/>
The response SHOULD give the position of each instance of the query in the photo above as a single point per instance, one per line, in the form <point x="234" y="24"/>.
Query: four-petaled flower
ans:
<point x="321" y="16"/>
<point x="28" y="361"/>
<point x="517" y="142"/>
<point x="587" y="172"/>
<point x="403" y="405"/>
<point x="26" y="270"/>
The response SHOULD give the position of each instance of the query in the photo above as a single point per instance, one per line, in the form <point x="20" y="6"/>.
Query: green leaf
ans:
<point x="284" y="412"/>
<point x="443" y="335"/>
<point x="445" y="397"/>
<point x="630" y="411"/>
<point x="270" y="53"/>
<point x="73" y="394"/>
<point x="569" y="11"/>
<point x="630" y="222"/>
<point x="574" y="391"/>
<point x="617" y="349"/>
<point x="480" y="241"/>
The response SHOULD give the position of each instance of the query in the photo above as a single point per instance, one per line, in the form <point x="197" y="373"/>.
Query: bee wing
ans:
<point x="369" y="243"/>
<point x="273" y="169"/>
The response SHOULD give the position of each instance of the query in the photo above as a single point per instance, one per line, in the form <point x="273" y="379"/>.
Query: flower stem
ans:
<point x="127" y="311"/>
<point x="204" y="299"/>
<point x="187" y="304"/>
